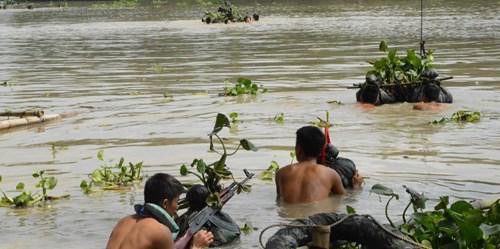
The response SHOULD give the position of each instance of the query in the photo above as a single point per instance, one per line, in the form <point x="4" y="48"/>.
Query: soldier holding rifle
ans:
<point x="153" y="225"/>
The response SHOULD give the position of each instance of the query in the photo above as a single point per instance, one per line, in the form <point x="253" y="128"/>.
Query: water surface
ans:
<point x="99" y="62"/>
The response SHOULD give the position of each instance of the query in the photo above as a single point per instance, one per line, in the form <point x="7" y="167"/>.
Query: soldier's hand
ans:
<point x="202" y="239"/>
<point x="357" y="180"/>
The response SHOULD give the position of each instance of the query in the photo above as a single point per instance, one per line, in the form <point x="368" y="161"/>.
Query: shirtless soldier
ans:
<point x="307" y="181"/>
<point x="153" y="225"/>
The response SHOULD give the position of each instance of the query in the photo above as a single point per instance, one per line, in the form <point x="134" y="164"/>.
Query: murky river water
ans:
<point x="100" y="63"/>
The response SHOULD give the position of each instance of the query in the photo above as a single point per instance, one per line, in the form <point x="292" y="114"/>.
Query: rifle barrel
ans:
<point x="202" y="217"/>
<point x="229" y="191"/>
<point x="358" y="85"/>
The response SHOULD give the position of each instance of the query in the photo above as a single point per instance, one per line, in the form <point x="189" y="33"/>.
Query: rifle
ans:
<point x="417" y="83"/>
<point x="203" y="216"/>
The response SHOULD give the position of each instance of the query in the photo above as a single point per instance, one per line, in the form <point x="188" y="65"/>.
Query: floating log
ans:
<point x="37" y="113"/>
<point x="15" y="122"/>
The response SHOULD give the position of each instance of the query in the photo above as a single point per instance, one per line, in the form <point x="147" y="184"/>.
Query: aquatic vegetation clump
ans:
<point x="268" y="174"/>
<point x="402" y="78"/>
<point x="460" y="117"/>
<point x="6" y="83"/>
<point x="211" y="174"/>
<point x="26" y="198"/>
<point x="227" y="13"/>
<point x="322" y="123"/>
<point x="113" y="177"/>
<point x="395" y="69"/>
<point x="279" y="118"/>
<point x="459" y="225"/>
<point x="247" y="228"/>
<point x="234" y="117"/>
<point x="243" y="86"/>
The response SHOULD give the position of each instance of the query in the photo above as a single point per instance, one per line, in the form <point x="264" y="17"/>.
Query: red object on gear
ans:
<point x="325" y="145"/>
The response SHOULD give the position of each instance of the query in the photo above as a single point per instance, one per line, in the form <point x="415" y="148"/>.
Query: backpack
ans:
<point x="343" y="166"/>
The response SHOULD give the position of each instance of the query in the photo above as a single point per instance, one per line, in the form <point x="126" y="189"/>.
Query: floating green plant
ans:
<point x="460" y="117"/>
<point x="243" y="86"/>
<point x="350" y="210"/>
<point x="268" y="174"/>
<point x="322" y="123"/>
<point x="395" y="69"/>
<point x="6" y="83"/>
<point x="26" y="198"/>
<point x="279" y="118"/>
<point x="226" y="12"/>
<point x="247" y="228"/>
<point x="459" y="225"/>
<point x="211" y="174"/>
<point x="113" y="177"/>
<point x="234" y="117"/>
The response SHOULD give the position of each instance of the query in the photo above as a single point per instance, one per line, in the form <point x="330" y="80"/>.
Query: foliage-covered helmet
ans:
<point x="331" y="152"/>
<point x="372" y="79"/>
<point x="430" y="74"/>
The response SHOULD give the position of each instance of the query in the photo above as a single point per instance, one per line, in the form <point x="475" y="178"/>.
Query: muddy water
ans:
<point x="99" y="62"/>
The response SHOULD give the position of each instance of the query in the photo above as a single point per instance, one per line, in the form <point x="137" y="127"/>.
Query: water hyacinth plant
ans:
<point x="211" y="174"/>
<point x="26" y="198"/>
<point x="234" y="117"/>
<point x="395" y="69"/>
<point x="460" y="117"/>
<point x="459" y="225"/>
<point x="243" y="86"/>
<point x="279" y="118"/>
<point x="226" y="12"/>
<point x="268" y="174"/>
<point x="247" y="228"/>
<point x="113" y="177"/>
<point x="322" y="123"/>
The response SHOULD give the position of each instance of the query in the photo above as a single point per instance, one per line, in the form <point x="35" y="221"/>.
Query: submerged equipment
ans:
<point x="362" y="229"/>
<point x="343" y="166"/>
<point x="221" y="225"/>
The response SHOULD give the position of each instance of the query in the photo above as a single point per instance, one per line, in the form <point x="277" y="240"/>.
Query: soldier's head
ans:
<point x="247" y="19"/>
<point x="309" y="143"/>
<point x="196" y="197"/>
<point x="431" y="93"/>
<point x="370" y="93"/>
<point x="163" y="190"/>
